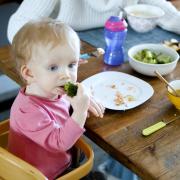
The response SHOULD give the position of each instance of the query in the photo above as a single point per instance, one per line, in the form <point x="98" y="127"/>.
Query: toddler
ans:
<point x="42" y="132"/>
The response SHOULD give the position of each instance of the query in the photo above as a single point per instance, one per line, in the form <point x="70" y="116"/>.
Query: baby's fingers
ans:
<point x="96" y="108"/>
<point x="101" y="107"/>
<point x="93" y="111"/>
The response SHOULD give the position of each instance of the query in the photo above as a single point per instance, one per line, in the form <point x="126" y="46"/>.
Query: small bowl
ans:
<point x="148" y="69"/>
<point x="174" y="99"/>
<point x="142" y="17"/>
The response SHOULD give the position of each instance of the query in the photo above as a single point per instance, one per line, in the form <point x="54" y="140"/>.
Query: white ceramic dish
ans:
<point x="104" y="86"/>
<point x="148" y="69"/>
<point x="174" y="99"/>
<point x="142" y="17"/>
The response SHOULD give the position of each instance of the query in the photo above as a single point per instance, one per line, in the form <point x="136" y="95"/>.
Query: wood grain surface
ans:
<point x="176" y="3"/>
<point x="119" y="132"/>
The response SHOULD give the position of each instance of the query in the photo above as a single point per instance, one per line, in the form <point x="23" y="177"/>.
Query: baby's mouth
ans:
<point x="61" y="89"/>
<point x="69" y="88"/>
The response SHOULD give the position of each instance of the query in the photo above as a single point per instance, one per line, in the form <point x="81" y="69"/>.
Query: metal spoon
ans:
<point x="164" y="80"/>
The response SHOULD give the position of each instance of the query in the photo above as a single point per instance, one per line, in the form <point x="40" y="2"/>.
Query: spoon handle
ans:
<point x="164" y="80"/>
<point x="151" y="129"/>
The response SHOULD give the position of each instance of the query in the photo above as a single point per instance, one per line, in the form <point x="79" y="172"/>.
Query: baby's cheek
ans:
<point x="74" y="77"/>
<point x="48" y="84"/>
<point x="51" y="84"/>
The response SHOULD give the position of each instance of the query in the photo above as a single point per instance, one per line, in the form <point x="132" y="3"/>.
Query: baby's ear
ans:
<point x="26" y="74"/>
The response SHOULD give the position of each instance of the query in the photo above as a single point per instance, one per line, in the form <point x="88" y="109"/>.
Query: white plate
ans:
<point x="106" y="85"/>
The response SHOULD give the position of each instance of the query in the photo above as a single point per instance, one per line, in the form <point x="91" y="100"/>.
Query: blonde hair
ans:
<point x="47" y="32"/>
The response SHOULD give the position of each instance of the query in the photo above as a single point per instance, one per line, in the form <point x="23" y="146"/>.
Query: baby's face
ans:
<point x="53" y="68"/>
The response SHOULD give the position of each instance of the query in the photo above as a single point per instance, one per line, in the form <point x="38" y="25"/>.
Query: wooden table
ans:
<point x="119" y="132"/>
<point x="176" y="3"/>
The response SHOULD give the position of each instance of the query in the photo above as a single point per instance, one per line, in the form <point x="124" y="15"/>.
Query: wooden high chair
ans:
<point x="12" y="167"/>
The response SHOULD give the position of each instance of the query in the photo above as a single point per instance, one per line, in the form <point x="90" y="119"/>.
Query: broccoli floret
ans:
<point x="163" y="59"/>
<point x="70" y="89"/>
<point x="138" y="56"/>
<point x="147" y="56"/>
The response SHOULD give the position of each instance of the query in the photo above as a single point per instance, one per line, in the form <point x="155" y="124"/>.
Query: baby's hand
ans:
<point x="81" y="101"/>
<point x="96" y="108"/>
<point x="80" y="104"/>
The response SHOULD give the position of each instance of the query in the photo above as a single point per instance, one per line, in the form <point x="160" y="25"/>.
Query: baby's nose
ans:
<point x="64" y="76"/>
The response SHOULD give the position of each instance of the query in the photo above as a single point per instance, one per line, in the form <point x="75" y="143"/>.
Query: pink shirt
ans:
<point x="42" y="133"/>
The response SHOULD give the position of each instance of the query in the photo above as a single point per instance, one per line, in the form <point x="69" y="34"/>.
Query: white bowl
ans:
<point x="148" y="69"/>
<point x="142" y="17"/>
<point x="173" y="98"/>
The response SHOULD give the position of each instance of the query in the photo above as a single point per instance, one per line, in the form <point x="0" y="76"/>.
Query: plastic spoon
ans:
<point x="151" y="129"/>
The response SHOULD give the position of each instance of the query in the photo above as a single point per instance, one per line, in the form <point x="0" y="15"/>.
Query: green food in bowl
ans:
<point x="150" y="57"/>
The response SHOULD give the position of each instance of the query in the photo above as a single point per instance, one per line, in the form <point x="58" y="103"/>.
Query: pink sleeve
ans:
<point x="38" y="126"/>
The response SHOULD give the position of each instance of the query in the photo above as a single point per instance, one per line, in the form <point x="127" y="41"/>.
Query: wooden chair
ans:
<point x="12" y="167"/>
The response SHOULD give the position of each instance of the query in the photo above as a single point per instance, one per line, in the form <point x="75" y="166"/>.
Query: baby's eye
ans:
<point x="72" y="65"/>
<point x="53" y="68"/>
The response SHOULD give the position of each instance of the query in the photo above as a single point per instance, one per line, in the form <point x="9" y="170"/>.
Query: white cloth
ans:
<point x="85" y="14"/>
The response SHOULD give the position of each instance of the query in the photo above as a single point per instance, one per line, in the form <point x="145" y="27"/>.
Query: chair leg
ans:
<point x="95" y="175"/>
<point x="78" y="157"/>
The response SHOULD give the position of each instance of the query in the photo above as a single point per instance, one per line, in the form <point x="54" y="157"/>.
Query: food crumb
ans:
<point x="118" y="99"/>
<point x="130" y="88"/>
<point x="113" y="86"/>
<point x="130" y="98"/>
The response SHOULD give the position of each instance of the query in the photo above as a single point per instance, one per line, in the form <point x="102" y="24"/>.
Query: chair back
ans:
<point x="4" y="131"/>
<point x="12" y="167"/>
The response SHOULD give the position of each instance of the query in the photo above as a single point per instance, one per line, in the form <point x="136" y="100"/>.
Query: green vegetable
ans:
<point x="147" y="56"/>
<point x="162" y="59"/>
<point x="70" y="89"/>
